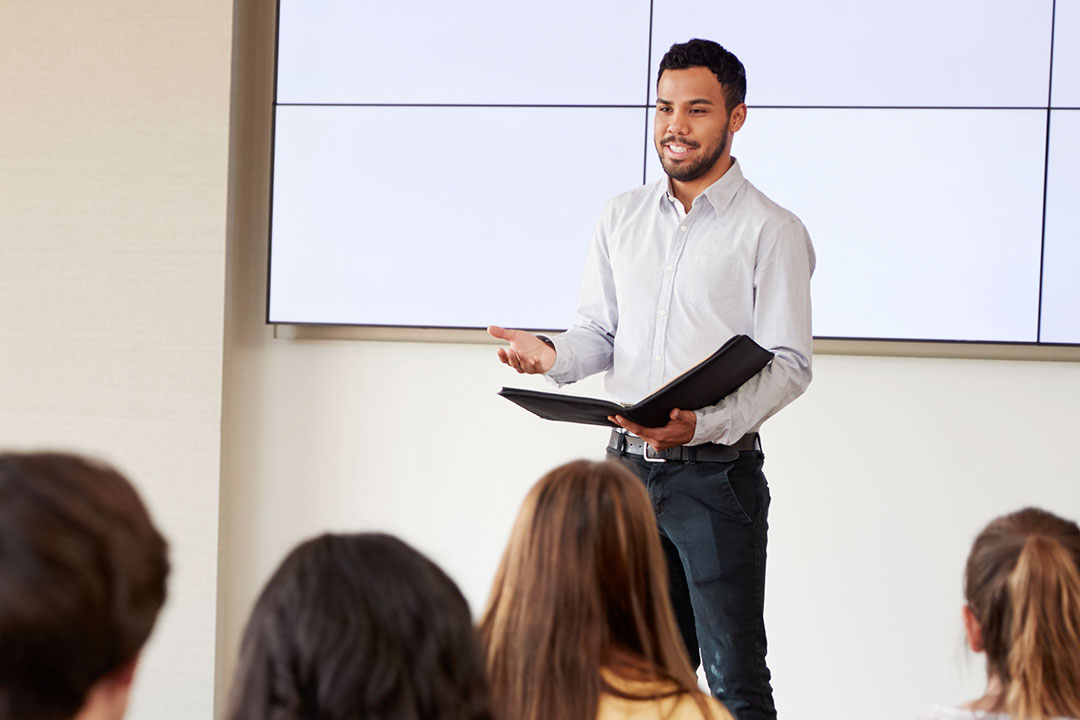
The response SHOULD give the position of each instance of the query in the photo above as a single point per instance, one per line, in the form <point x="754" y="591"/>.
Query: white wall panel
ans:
<point x="918" y="232"/>
<point x="474" y="51"/>
<point x="1066" y="54"/>
<point x="885" y="53"/>
<point x="1061" y="266"/>
<point x="442" y="216"/>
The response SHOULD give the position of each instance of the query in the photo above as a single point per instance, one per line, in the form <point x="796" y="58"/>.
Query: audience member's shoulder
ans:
<point x="689" y="710"/>
<point x="946" y="712"/>
<point x="680" y="706"/>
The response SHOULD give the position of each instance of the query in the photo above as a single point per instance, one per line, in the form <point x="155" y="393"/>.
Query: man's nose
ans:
<point x="676" y="124"/>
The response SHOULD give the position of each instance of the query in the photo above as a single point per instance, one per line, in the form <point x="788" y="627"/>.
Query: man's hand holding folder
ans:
<point x="679" y="430"/>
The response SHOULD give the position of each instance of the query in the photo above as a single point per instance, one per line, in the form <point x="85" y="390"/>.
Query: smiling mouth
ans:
<point x="678" y="148"/>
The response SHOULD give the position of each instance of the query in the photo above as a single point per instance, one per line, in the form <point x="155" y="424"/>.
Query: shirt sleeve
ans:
<point x="588" y="346"/>
<point x="785" y="261"/>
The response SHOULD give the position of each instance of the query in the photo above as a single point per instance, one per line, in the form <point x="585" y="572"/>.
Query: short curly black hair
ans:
<point x="705" y="53"/>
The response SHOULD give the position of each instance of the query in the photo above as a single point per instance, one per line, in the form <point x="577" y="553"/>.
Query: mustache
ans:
<point x="672" y="139"/>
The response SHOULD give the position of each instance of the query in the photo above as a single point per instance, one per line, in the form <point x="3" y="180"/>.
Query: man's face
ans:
<point x="691" y="128"/>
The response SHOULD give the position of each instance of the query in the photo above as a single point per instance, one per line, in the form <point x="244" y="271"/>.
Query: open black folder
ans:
<point x="707" y="383"/>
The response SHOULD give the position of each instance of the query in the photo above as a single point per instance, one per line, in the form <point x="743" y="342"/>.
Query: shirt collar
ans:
<point x="722" y="192"/>
<point x="719" y="194"/>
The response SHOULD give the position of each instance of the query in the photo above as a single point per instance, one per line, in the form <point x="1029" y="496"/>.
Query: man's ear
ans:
<point x="737" y="117"/>
<point x="973" y="628"/>
<point x="108" y="697"/>
<point x="124" y="675"/>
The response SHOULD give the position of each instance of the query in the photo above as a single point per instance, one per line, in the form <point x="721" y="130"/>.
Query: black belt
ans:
<point x="626" y="444"/>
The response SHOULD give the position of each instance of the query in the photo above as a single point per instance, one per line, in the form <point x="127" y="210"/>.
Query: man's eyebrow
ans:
<point x="695" y="101"/>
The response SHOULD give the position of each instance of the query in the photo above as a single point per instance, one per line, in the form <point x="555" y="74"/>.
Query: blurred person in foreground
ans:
<point x="358" y="627"/>
<point x="82" y="578"/>
<point x="1022" y="587"/>
<point x="579" y="624"/>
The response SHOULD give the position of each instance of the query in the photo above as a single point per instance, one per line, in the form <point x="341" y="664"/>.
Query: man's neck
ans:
<point x="687" y="192"/>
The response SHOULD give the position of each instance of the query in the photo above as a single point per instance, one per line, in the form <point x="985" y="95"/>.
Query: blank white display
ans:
<point x="1061" y="274"/>
<point x="576" y="52"/>
<point x="453" y="179"/>
<point x="1066" y="54"/>
<point x="917" y="233"/>
<point x="491" y="225"/>
<point x="883" y="53"/>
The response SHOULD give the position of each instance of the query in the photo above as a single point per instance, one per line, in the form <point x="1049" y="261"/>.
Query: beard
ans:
<point x="690" y="171"/>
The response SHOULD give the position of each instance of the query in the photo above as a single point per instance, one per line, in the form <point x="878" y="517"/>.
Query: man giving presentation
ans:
<point x="676" y="268"/>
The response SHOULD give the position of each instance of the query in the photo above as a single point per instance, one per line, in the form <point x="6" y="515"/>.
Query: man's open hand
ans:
<point x="527" y="353"/>
<point x="679" y="430"/>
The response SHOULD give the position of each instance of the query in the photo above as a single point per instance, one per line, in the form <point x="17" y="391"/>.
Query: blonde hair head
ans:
<point x="1023" y="585"/>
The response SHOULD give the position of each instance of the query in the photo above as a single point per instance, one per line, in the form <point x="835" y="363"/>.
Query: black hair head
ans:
<point x="706" y="53"/>
<point x="359" y="626"/>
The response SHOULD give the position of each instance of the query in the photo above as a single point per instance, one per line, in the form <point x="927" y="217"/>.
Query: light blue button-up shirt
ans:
<point x="663" y="289"/>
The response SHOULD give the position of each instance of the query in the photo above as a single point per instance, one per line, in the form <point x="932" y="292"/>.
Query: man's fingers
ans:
<point x="629" y="425"/>
<point x="522" y="362"/>
<point x="514" y="360"/>
<point x="502" y="333"/>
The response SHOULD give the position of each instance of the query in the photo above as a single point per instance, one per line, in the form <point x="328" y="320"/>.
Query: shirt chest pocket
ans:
<point x="718" y="279"/>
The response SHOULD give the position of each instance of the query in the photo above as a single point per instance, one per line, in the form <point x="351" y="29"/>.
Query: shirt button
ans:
<point x="683" y="228"/>
<point x="663" y="313"/>
<point x="670" y="268"/>
<point x="658" y="358"/>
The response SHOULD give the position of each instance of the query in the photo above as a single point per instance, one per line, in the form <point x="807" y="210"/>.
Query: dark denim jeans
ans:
<point x="713" y="520"/>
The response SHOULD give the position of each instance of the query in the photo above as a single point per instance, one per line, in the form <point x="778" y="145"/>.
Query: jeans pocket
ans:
<point x="709" y="525"/>
<point x="747" y="504"/>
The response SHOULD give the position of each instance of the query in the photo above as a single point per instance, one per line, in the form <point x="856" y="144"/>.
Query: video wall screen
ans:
<point x="450" y="175"/>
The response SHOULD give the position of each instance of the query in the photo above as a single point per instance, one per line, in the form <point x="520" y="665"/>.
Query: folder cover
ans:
<point x="707" y="383"/>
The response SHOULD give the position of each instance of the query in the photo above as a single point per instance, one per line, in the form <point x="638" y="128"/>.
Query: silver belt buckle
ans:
<point x="645" y="448"/>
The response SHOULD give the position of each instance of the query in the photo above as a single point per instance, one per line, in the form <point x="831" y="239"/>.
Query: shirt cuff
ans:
<point x="712" y="423"/>
<point x="563" y="356"/>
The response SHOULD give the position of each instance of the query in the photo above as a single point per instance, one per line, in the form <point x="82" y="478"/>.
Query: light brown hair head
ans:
<point x="582" y="586"/>
<point x="1022" y="583"/>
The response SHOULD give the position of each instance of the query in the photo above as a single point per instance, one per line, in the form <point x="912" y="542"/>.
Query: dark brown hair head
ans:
<point x="359" y="626"/>
<point x="1022" y="584"/>
<point x="82" y="578"/>
<point x="582" y="586"/>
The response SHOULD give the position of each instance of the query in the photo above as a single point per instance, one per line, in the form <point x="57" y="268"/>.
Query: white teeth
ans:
<point x="677" y="148"/>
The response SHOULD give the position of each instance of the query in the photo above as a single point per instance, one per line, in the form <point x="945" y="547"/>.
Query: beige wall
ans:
<point x="880" y="475"/>
<point x="113" y="170"/>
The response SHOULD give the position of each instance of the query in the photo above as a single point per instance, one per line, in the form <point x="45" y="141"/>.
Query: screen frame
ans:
<point x="877" y="346"/>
